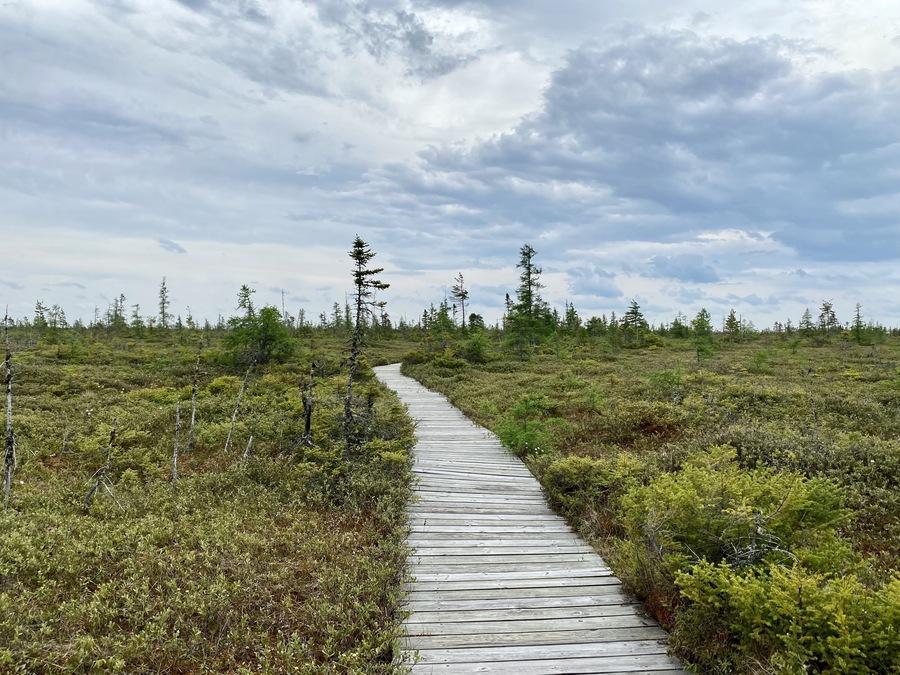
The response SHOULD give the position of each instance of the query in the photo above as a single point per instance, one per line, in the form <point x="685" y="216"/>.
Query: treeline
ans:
<point x="529" y="321"/>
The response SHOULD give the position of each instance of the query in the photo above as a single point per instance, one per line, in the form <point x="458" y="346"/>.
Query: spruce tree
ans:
<point x="528" y="317"/>
<point x="733" y="326"/>
<point x="164" y="304"/>
<point x="827" y="319"/>
<point x="858" y="326"/>
<point x="245" y="301"/>
<point x="40" y="315"/>
<point x="365" y="284"/>
<point x="461" y="295"/>
<point x="806" y="323"/>
<point x="527" y="296"/>
<point x="634" y="325"/>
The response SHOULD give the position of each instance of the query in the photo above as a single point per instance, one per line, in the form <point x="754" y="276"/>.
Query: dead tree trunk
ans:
<point x="194" y="384"/>
<point x="9" y="460"/>
<point x="355" y="347"/>
<point x="237" y="405"/>
<point x="100" y="475"/>
<point x="309" y="402"/>
<point x="246" y="454"/>
<point x="176" y="449"/>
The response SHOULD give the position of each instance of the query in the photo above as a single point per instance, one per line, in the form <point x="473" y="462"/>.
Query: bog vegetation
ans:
<point x="230" y="497"/>
<point x="183" y="499"/>
<point x="744" y="483"/>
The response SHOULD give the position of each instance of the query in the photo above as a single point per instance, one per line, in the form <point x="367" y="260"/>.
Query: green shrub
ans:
<point x="416" y="357"/>
<point x="588" y="490"/>
<point x="477" y="348"/>
<point x="789" y="619"/>
<point x="716" y="511"/>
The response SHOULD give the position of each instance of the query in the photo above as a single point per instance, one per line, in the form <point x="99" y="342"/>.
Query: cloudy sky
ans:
<point x="685" y="153"/>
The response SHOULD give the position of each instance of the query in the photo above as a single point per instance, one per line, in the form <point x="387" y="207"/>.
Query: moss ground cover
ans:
<point x="751" y="499"/>
<point x="290" y="560"/>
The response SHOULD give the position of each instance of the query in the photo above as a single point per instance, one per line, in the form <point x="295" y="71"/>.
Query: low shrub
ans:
<point x="788" y="620"/>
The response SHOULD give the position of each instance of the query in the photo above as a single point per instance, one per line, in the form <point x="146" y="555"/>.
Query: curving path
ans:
<point x="502" y="584"/>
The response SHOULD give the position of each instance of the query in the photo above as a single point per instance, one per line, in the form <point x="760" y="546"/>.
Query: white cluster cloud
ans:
<point x="727" y="157"/>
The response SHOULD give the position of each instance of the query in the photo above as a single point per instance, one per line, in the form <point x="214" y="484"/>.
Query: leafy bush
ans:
<point x="259" y="338"/>
<point x="527" y="430"/>
<point x="588" y="490"/>
<point x="788" y="618"/>
<point x="715" y="511"/>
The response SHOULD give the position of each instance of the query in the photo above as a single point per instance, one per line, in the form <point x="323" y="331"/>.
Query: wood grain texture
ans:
<point x="501" y="584"/>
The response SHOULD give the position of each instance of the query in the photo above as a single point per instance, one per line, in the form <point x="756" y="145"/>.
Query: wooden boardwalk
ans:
<point x="502" y="584"/>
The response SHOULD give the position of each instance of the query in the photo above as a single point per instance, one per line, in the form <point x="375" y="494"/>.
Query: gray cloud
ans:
<point x="593" y="282"/>
<point x="663" y="134"/>
<point x="685" y="267"/>
<point x="171" y="246"/>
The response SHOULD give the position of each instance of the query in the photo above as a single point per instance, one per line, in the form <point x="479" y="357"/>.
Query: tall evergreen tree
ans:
<point x="858" y="326"/>
<point x="634" y="325"/>
<point x="164" y="303"/>
<point x="461" y="295"/>
<point x="572" y="320"/>
<point x="528" y="297"/>
<point x="245" y="301"/>
<point x="528" y="318"/>
<point x="732" y="326"/>
<point x="702" y="324"/>
<point x="827" y="319"/>
<point x="365" y="285"/>
<point x="40" y="315"/>
<point x="807" y="327"/>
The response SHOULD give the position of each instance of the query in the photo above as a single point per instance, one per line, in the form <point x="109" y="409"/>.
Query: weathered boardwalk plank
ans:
<point x="501" y="583"/>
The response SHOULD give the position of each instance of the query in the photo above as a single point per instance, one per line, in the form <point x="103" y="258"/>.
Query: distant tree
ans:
<point x="858" y="325"/>
<point x="572" y="321"/>
<point x="164" y="303"/>
<point x="528" y="318"/>
<point x="732" y="326"/>
<point x="528" y="294"/>
<point x="807" y="327"/>
<point x="245" y="301"/>
<point x="702" y="324"/>
<point x="827" y="319"/>
<point x="137" y="323"/>
<point x="461" y="295"/>
<point x="679" y="327"/>
<point x="476" y="321"/>
<point x="597" y="325"/>
<point x="365" y="284"/>
<point x="634" y="325"/>
<point x="257" y="336"/>
<point x="40" y="315"/>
